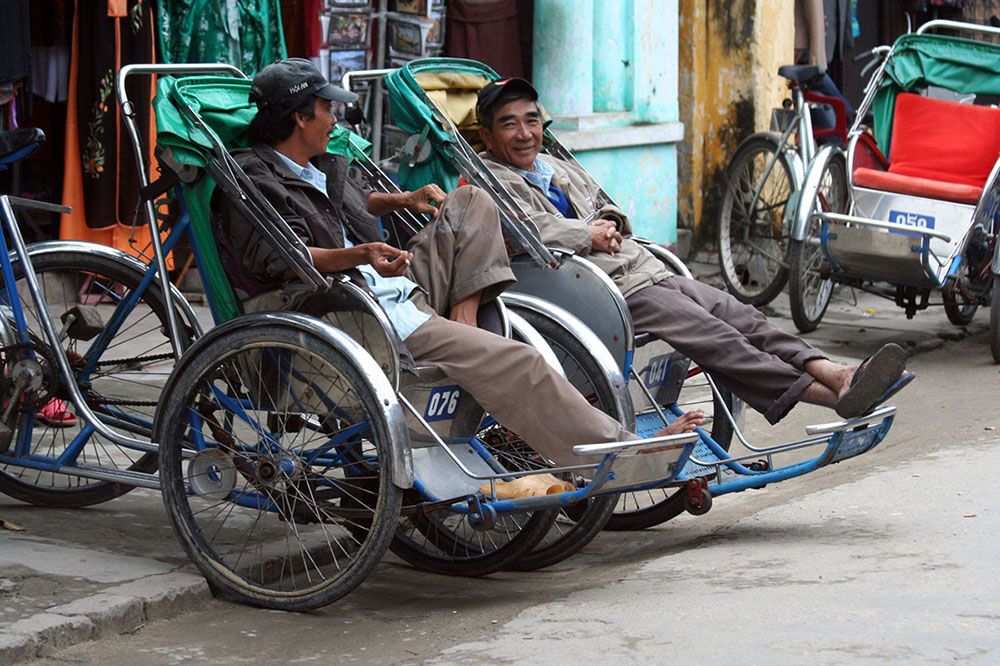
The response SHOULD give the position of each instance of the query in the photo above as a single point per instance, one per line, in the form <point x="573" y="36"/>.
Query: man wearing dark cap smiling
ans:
<point x="771" y="370"/>
<point x="459" y="259"/>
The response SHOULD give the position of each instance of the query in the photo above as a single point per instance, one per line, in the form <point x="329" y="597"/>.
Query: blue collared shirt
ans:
<point x="393" y="293"/>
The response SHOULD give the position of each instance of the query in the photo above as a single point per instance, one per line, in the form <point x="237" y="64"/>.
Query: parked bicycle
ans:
<point x="764" y="178"/>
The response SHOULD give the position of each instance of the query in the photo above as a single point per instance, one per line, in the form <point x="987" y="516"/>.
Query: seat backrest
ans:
<point x="942" y="140"/>
<point x="456" y="95"/>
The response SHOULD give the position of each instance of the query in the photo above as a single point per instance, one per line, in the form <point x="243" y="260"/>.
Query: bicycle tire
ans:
<point x="657" y="506"/>
<point x="753" y="243"/>
<point x="583" y="520"/>
<point x="66" y="278"/>
<point x="305" y="493"/>
<point x="809" y="291"/>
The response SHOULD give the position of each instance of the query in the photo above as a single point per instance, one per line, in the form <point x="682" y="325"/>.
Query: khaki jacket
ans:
<point x="632" y="269"/>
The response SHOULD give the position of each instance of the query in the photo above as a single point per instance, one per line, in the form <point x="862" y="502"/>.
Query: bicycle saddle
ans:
<point x="801" y="73"/>
<point x="18" y="144"/>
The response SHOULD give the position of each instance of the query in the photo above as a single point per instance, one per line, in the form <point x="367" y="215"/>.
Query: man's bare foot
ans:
<point x="685" y="423"/>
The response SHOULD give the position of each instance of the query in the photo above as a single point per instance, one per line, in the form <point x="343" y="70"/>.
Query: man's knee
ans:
<point x="470" y="209"/>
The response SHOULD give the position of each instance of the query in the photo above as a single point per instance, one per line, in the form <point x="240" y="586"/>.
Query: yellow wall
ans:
<point x="729" y="54"/>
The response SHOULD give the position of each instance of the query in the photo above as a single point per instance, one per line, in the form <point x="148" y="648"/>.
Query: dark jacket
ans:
<point x="314" y="218"/>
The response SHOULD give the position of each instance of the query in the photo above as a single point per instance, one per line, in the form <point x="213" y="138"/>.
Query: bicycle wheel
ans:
<point x="959" y="306"/>
<point x="291" y="501"/>
<point x="577" y="524"/>
<point x="995" y="319"/>
<point x="120" y="377"/>
<point x="809" y="283"/>
<point x="753" y="234"/>
<point x="647" y="508"/>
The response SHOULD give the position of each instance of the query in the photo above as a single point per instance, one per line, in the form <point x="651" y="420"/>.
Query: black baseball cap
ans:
<point x="500" y="91"/>
<point x="286" y="84"/>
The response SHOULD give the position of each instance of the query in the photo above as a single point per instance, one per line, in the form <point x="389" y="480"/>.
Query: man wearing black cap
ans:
<point x="771" y="370"/>
<point x="459" y="259"/>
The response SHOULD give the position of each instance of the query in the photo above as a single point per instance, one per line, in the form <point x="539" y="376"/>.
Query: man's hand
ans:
<point x="387" y="260"/>
<point x="604" y="236"/>
<point x="420" y="200"/>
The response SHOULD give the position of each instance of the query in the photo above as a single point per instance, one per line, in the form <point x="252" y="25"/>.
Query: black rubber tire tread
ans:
<point x="599" y="509"/>
<point x="673" y="505"/>
<point x="995" y="319"/>
<point x="958" y="311"/>
<point x="95" y="492"/>
<point x="762" y="142"/>
<point x="806" y="321"/>
<point x="174" y="486"/>
<point x="535" y="527"/>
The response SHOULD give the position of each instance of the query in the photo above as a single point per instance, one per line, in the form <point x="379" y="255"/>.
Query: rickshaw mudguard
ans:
<point x="809" y="190"/>
<point x="609" y="364"/>
<point x="580" y="287"/>
<point x="387" y="402"/>
<point x="118" y="256"/>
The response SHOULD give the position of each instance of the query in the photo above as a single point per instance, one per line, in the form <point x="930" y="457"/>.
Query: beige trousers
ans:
<point x="463" y="252"/>
<point x="735" y="342"/>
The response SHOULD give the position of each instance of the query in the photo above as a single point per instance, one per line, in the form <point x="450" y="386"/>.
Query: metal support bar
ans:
<point x="892" y="226"/>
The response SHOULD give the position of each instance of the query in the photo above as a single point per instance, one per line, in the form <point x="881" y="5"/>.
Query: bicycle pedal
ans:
<point x="82" y="322"/>
<point x="759" y="466"/>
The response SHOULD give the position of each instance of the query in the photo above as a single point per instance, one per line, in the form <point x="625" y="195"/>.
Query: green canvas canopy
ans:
<point x="961" y="65"/>
<point x="454" y="84"/>
<point x="223" y="104"/>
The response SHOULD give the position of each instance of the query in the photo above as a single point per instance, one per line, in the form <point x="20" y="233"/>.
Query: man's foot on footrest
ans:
<point x="535" y="485"/>
<point x="758" y="466"/>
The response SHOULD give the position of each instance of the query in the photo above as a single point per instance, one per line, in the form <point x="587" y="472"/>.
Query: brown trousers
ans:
<point x="734" y="341"/>
<point x="458" y="254"/>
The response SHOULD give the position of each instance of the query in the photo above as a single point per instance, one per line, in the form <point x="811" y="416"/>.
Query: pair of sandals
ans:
<point x="878" y="378"/>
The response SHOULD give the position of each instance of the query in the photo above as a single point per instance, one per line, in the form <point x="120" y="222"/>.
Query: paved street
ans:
<point x="890" y="556"/>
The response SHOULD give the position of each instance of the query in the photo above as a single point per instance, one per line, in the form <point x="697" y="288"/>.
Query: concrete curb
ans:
<point x="116" y="610"/>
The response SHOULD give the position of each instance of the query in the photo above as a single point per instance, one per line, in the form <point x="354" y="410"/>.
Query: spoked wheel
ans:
<point x="959" y="305"/>
<point x="995" y="319"/>
<point x="448" y="542"/>
<point x="643" y="509"/>
<point x="276" y="466"/>
<point x="753" y="233"/>
<point x="809" y="282"/>
<point x="575" y="525"/>
<point x="121" y="372"/>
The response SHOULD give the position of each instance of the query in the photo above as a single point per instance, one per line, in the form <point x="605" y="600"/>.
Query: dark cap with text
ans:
<point x="286" y="84"/>
<point x="501" y="91"/>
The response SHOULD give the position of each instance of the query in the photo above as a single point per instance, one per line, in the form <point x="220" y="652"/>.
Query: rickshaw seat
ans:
<point x="940" y="150"/>
<point x="920" y="187"/>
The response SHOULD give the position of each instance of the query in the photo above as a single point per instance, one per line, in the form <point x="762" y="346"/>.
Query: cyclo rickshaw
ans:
<point x="917" y="210"/>
<point x="285" y="440"/>
<point x="433" y="100"/>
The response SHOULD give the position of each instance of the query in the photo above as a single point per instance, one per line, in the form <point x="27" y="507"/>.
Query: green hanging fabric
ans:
<point x="244" y="33"/>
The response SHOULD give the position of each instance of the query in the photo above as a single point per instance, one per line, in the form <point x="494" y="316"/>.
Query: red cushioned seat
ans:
<point x="919" y="187"/>
<point x="940" y="150"/>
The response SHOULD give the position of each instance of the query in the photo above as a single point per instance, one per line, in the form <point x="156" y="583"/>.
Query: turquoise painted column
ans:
<point x="655" y="57"/>
<point x="564" y="40"/>
<point x="613" y="60"/>
<point x="607" y="71"/>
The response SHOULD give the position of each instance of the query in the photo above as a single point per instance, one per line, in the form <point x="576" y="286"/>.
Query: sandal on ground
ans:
<point x="872" y="382"/>
<point x="56" y="414"/>
<point x="529" y="486"/>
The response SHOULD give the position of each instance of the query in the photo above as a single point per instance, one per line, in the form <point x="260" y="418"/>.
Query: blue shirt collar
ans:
<point x="540" y="176"/>
<point x="308" y="173"/>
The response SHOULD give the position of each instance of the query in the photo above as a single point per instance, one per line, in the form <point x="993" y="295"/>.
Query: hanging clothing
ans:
<point x="101" y="182"/>
<point x="244" y="33"/>
<point x="15" y="40"/>
<point x="486" y="31"/>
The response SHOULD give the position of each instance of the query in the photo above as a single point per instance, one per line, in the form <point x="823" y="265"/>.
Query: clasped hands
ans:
<point x="604" y="236"/>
